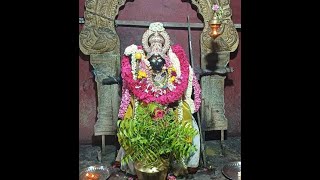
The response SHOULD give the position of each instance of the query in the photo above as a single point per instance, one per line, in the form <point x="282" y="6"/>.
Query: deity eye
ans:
<point x="153" y="60"/>
<point x="159" y="60"/>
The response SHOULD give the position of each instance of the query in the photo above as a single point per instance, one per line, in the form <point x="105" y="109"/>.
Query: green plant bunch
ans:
<point x="155" y="134"/>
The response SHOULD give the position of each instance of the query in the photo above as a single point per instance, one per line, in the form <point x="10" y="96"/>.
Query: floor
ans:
<point x="216" y="156"/>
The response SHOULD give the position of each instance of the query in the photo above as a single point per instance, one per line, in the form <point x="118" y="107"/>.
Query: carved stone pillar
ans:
<point x="108" y="98"/>
<point x="213" y="97"/>
<point x="215" y="55"/>
<point x="99" y="39"/>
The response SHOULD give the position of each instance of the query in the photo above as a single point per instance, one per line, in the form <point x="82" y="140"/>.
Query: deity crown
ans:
<point x="156" y="42"/>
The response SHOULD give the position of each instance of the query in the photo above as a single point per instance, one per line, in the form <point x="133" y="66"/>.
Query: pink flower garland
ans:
<point x="197" y="93"/>
<point x="125" y="100"/>
<point x="167" y="98"/>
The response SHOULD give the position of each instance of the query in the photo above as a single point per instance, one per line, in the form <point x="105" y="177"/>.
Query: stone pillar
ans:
<point x="213" y="112"/>
<point x="99" y="39"/>
<point x="108" y="96"/>
<point x="215" y="56"/>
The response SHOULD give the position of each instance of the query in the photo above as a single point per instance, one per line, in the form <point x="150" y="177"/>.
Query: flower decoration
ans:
<point x="141" y="74"/>
<point x="158" y="114"/>
<point x="130" y="49"/>
<point x="171" y="80"/>
<point x="197" y="93"/>
<point x="215" y="7"/>
<point x="171" y="177"/>
<point x="138" y="56"/>
<point x="181" y="78"/>
<point x="125" y="100"/>
<point x="157" y="26"/>
<point x="217" y="11"/>
<point x="144" y="89"/>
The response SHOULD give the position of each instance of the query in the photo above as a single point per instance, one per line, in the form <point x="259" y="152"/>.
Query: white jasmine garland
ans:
<point x="146" y="62"/>
<point x="175" y="62"/>
<point x="136" y="104"/>
<point x="156" y="26"/>
<point x="134" y="66"/>
<point x="188" y="93"/>
<point x="130" y="49"/>
<point x="140" y="51"/>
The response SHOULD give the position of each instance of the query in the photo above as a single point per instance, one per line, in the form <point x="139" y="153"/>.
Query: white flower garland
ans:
<point x="134" y="66"/>
<point x="175" y="62"/>
<point x="130" y="49"/>
<point x="156" y="26"/>
<point x="146" y="62"/>
<point x="134" y="62"/>
<point x="136" y="104"/>
<point x="188" y="93"/>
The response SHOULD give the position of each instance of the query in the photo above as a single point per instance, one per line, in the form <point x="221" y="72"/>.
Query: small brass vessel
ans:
<point x="158" y="172"/>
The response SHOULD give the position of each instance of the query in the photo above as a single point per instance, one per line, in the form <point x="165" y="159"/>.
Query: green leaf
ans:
<point x="125" y="133"/>
<point x="118" y="123"/>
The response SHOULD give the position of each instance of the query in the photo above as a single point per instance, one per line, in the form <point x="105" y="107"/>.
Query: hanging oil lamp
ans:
<point x="215" y="23"/>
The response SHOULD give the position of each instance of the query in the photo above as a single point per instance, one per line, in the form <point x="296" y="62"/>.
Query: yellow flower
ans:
<point x="172" y="78"/>
<point x="138" y="55"/>
<point x="141" y="74"/>
<point x="171" y="69"/>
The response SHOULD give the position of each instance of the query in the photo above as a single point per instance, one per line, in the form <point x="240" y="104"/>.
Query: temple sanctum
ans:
<point x="159" y="89"/>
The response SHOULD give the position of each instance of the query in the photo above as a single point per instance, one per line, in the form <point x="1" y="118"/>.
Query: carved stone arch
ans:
<point x="99" y="35"/>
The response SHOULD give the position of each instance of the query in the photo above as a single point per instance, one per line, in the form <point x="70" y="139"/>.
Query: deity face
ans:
<point x="156" y="63"/>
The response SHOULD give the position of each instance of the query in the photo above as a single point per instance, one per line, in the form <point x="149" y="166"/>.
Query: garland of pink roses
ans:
<point x="148" y="97"/>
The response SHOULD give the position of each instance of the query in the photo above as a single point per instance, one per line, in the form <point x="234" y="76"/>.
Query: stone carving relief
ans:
<point x="99" y="39"/>
<point x="98" y="34"/>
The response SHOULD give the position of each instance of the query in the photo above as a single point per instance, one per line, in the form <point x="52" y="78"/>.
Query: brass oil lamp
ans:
<point x="216" y="23"/>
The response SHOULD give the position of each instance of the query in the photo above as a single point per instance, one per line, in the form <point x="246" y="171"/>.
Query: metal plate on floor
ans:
<point x="232" y="170"/>
<point x="95" y="172"/>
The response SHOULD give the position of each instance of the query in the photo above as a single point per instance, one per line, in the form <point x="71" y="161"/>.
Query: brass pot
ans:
<point x="158" y="172"/>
